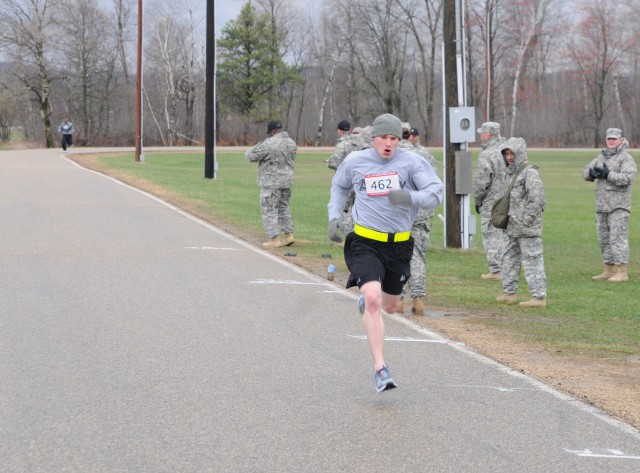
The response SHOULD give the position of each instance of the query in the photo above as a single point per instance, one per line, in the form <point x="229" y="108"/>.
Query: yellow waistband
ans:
<point x="380" y="236"/>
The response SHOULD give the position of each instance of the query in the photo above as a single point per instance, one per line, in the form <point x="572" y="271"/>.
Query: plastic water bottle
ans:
<point x="331" y="271"/>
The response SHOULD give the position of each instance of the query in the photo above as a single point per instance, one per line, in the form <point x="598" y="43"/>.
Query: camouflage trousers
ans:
<point x="613" y="230"/>
<point x="418" y="280"/>
<point x="346" y="221"/>
<point x="525" y="252"/>
<point x="493" y="240"/>
<point x="276" y="213"/>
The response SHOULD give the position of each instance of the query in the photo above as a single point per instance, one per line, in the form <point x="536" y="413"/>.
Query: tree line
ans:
<point x="557" y="72"/>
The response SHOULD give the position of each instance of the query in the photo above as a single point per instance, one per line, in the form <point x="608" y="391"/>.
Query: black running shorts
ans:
<point x="370" y="260"/>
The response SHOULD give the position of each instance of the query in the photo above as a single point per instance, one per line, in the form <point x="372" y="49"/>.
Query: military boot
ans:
<point x="507" y="298"/>
<point x="497" y="276"/>
<point x="534" y="302"/>
<point x="418" y="306"/>
<point x="621" y="274"/>
<point x="608" y="273"/>
<point x="400" y="306"/>
<point x="288" y="239"/>
<point x="273" y="243"/>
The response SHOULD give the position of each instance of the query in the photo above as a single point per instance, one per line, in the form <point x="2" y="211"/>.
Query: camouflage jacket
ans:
<point x="527" y="199"/>
<point x="614" y="192"/>
<point x="406" y="144"/>
<point x="489" y="184"/>
<point x="424" y="215"/>
<point x="275" y="156"/>
<point x="343" y="148"/>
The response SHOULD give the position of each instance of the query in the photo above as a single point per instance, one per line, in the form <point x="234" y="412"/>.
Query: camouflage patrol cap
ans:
<point x="489" y="127"/>
<point x="344" y="125"/>
<point x="274" y="125"/>
<point x="614" y="133"/>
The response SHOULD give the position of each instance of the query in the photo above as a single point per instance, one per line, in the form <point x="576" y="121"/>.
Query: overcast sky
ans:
<point x="226" y="10"/>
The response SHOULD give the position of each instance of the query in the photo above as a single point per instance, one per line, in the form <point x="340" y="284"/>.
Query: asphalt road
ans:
<point x="136" y="338"/>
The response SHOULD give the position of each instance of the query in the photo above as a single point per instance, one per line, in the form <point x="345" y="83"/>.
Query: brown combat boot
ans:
<point x="534" y="302"/>
<point x="400" y="306"/>
<point x="288" y="239"/>
<point x="621" y="274"/>
<point x="608" y="273"/>
<point x="418" y="306"/>
<point x="273" y="243"/>
<point x="497" y="276"/>
<point x="507" y="298"/>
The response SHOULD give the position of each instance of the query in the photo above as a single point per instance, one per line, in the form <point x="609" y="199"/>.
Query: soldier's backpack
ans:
<point x="500" y="209"/>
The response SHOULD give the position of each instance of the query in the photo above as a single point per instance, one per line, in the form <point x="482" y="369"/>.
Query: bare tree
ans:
<point x="163" y="54"/>
<point x="380" y="50"/>
<point x="525" y="25"/>
<point x="123" y="14"/>
<point x="327" y="52"/>
<point x="596" y="47"/>
<point x="484" y="17"/>
<point x="89" y="54"/>
<point x="420" y="16"/>
<point x="28" y="35"/>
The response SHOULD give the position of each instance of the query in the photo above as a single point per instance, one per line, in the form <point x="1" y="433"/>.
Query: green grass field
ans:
<point x="582" y="316"/>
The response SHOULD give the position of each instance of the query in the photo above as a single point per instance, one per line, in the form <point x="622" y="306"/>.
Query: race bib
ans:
<point x="382" y="184"/>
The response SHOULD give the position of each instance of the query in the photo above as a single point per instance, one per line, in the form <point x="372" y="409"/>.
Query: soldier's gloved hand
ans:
<point x="605" y="171"/>
<point x="478" y="208"/>
<point x="593" y="175"/>
<point x="597" y="170"/>
<point x="400" y="198"/>
<point x="334" y="231"/>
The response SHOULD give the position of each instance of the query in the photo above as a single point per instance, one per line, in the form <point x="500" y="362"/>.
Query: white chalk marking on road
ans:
<point x="496" y="388"/>
<point x="209" y="248"/>
<point x="285" y="281"/>
<point x="403" y="339"/>
<point x="611" y="453"/>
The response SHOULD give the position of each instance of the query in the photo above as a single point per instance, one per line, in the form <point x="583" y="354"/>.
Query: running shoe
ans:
<point x="361" y="304"/>
<point x="384" y="380"/>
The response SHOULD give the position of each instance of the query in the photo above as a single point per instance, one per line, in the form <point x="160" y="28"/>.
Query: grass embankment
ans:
<point x="602" y="319"/>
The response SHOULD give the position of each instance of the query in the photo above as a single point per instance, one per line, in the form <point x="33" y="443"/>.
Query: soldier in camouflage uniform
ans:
<point x="355" y="135"/>
<point x="488" y="186"/>
<point x="615" y="171"/>
<point x="523" y="245"/>
<point x="275" y="156"/>
<point x="346" y="144"/>
<point x="364" y="138"/>
<point x="420" y="231"/>
<point x="343" y="147"/>
<point x="406" y="134"/>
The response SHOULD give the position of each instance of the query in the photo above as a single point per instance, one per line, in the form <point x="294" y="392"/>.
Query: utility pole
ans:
<point x="210" y="167"/>
<point x="459" y="224"/>
<point x="138" y="152"/>
<point x="452" y="203"/>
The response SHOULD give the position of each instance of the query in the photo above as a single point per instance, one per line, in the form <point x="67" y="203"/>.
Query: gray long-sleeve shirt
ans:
<point x="414" y="175"/>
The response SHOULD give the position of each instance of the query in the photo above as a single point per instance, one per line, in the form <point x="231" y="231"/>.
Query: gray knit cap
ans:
<point x="387" y="124"/>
